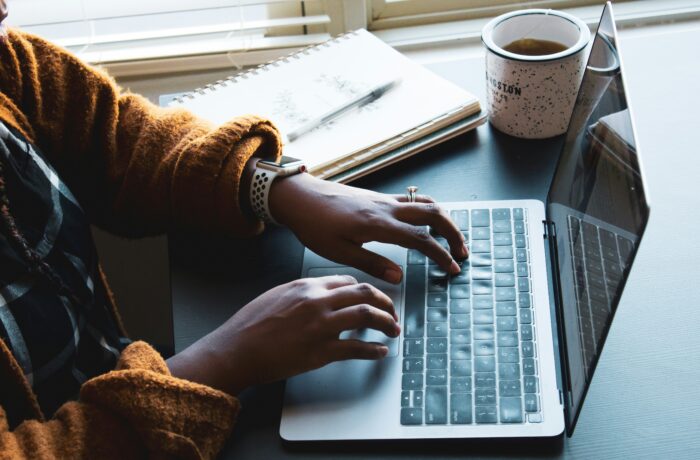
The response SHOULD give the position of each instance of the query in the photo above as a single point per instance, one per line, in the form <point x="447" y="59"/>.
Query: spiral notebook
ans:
<point x="420" y="111"/>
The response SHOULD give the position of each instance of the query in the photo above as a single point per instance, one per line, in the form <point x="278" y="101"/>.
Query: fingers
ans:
<point x="363" y="316"/>
<point x="340" y="350"/>
<point x="413" y="237"/>
<point x="369" y="262"/>
<point x="362" y="293"/>
<point x="434" y="216"/>
<point x="335" y="281"/>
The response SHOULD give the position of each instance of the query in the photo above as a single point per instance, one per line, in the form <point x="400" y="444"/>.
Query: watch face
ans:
<point x="284" y="162"/>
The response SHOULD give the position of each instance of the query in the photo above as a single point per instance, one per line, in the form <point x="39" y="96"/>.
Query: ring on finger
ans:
<point x="411" y="191"/>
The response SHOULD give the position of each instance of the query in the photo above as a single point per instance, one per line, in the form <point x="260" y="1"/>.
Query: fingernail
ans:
<point x="397" y="331"/>
<point x="454" y="268"/>
<point x="465" y="251"/>
<point x="383" y="351"/>
<point x="393" y="275"/>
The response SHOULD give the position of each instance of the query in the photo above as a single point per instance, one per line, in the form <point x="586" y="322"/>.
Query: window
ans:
<point x="397" y="13"/>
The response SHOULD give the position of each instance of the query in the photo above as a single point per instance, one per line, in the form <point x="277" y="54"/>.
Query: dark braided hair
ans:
<point x="38" y="268"/>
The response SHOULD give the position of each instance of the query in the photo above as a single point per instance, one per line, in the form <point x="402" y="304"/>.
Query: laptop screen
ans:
<point x="599" y="210"/>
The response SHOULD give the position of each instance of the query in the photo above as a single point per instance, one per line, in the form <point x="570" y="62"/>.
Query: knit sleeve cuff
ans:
<point x="171" y="415"/>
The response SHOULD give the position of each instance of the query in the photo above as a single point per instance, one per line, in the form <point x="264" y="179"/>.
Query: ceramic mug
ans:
<point x="532" y="96"/>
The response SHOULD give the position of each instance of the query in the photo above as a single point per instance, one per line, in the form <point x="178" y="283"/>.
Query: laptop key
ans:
<point x="436" y="272"/>
<point x="505" y="294"/>
<point x="502" y="239"/>
<point x="521" y="255"/>
<point x="481" y="273"/>
<point x="511" y="410"/>
<point x="530" y="384"/>
<point x="461" y="219"/>
<point x="413" y="347"/>
<point x="502" y="252"/>
<point x="480" y="246"/>
<point x="437" y="361"/>
<point x="437" y="315"/>
<point x="507" y="339"/>
<point x="460" y="384"/>
<point x="436" y="377"/>
<point x="482" y="287"/>
<point x="460" y="291"/>
<point x="459" y="306"/>
<point x="528" y="366"/>
<point x="480" y="260"/>
<point x="480" y="218"/>
<point x="483" y="332"/>
<point x="461" y="351"/>
<point x="485" y="380"/>
<point x="503" y="266"/>
<point x="485" y="414"/>
<point x="437" y="285"/>
<point x="526" y="316"/>
<point x="485" y="364"/>
<point x="508" y="355"/>
<point x="483" y="316"/>
<point x="405" y="398"/>
<point x="522" y="269"/>
<point x="484" y="348"/>
<point x="463" y="277"/>
<point x="518" y="214"/>
<point x="505" y="280"/>
<point x="437" y="345"/>
<point x="523" y="285"/>
<point x="482" y="302"/>
<point x="481" y="233"/>
<point x="436" y="405"/>
<point x="501" y="214"/>
<point x="519" y="227"/>
<point x="520" y="241"/>
<point x="414" y="309"/>
<point x="437" y="329"/>
<point x="417" y="399"/>
<point x="460" y="367"/>
<point x="412" y="365"/>
<point x="485" y="396"/>
<point x="411" y="416"/>
<point x="506" y="308"/>
<point x="460" y="321"/>
<point x="460" y="337"/>
<point x="524" y="301"/>
<point x="528" y="349"/>
<point x="412" y="381"/>
<point x="435" y="299"/>
<point x="509" y="371"/>
<point x="532" y="403"/>
<point x="509" y="387"/>
<point x="460" y="408"/>
<point x="501" y="226"/>
<point x="525" y="332"/>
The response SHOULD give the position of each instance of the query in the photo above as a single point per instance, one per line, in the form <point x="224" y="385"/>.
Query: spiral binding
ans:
<point x="212" y="87"/>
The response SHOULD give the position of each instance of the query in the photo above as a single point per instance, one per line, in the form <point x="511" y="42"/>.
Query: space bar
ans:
<point x="414" y="308"/>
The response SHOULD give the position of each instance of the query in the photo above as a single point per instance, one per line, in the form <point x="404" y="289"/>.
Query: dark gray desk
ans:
<point x="645" y="398"/>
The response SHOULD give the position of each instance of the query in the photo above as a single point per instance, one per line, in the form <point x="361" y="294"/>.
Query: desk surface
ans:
<point x="644" y="401"/>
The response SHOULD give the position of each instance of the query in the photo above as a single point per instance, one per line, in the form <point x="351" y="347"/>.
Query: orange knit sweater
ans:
<point x="136" y="170"/>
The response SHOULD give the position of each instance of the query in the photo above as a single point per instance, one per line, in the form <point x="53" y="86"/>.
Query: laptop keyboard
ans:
<point x="599" y="260"/>
<point x="469" y="350"/>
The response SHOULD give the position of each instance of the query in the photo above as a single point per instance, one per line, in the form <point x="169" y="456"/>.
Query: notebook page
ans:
<point x="306" y="85"/>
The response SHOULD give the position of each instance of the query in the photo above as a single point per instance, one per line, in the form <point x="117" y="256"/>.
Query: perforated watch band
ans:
<point x="260" y="194"/>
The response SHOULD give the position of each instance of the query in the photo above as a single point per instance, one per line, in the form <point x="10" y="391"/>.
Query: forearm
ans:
<point x="135" y="168"/>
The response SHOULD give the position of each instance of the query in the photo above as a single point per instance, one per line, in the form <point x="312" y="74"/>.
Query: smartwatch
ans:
<point x="265" y="173"/>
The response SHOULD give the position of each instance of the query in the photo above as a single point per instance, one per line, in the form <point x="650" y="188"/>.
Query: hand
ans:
<point x="288" y="330"/>
<point x="335" y="220"/>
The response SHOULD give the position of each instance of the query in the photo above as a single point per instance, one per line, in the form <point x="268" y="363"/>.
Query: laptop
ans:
<point x="508" y="347"/>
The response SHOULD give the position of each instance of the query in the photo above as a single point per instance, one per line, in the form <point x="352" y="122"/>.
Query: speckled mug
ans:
<point x="532" y="96"/>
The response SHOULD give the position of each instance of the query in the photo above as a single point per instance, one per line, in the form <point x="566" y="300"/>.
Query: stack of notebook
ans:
<point x="420" y="110"/>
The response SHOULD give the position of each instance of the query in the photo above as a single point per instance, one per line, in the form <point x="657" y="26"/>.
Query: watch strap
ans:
<point x="260" y="194"/>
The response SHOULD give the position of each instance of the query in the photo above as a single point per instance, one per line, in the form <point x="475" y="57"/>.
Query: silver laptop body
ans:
<point x="494" y="352"/>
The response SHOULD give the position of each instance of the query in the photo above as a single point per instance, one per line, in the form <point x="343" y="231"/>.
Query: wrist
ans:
<point x="286" y="190"/>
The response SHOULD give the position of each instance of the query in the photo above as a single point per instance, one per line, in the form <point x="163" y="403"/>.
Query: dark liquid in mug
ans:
<point x="534" y="47"/>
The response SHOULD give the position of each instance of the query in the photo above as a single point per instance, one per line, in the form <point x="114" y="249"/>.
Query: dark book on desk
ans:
<point x="421" y="110"/>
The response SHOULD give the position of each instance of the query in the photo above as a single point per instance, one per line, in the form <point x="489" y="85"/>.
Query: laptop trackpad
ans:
<point x="392" y="290"/>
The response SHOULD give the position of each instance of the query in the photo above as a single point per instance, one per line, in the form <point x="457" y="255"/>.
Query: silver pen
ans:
<point x="364" y="98"/>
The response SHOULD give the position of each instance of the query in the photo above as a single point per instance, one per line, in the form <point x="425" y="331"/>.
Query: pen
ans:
<point x="364" y="98"/>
